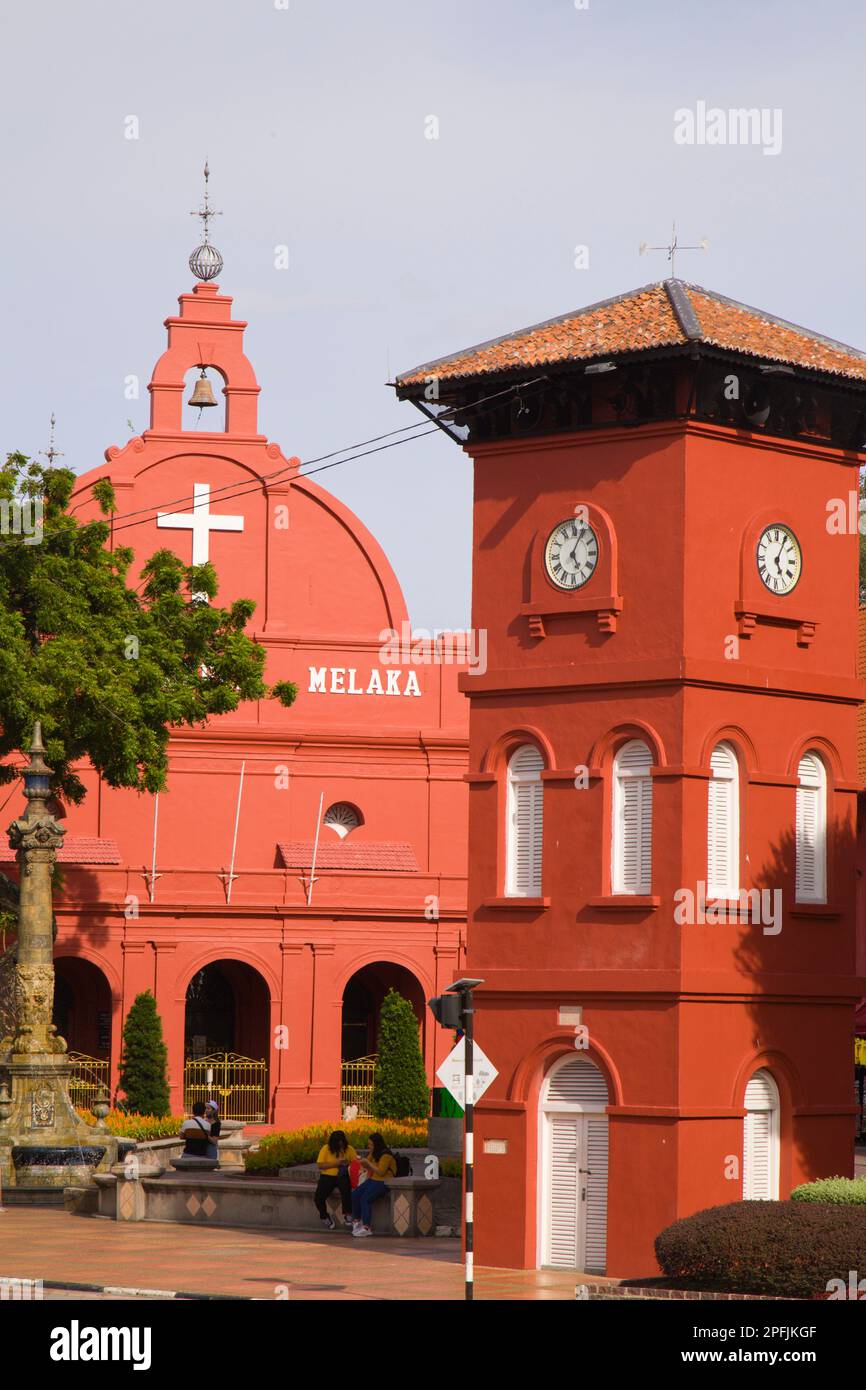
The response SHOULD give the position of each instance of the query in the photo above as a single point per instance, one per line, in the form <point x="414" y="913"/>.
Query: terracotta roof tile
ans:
<point x="77" y="849"/>
<point x="670" y="313"/>
<point x="367" y="855"/>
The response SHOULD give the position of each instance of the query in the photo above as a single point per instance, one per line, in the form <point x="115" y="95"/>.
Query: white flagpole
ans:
<point x="151" y="887"/>
<point x="231" y="877"/>
<point x="315" y="850"/>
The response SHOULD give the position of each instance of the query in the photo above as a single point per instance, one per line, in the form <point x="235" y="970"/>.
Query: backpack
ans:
<point x="404" y="1167"/>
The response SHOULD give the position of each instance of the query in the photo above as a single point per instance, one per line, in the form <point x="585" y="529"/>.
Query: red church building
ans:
<point x="662" y="761"/>
<point x="268" y="975"/>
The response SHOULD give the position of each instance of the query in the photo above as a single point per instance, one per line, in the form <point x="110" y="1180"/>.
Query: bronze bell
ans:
<point x="203" y="395"/>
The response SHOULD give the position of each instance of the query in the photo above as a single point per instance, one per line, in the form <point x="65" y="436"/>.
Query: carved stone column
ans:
<point x="43" y="1142"/>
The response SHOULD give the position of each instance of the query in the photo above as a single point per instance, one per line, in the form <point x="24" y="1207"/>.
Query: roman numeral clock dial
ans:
<point x="779" y="559"/>
<point x="571" y="554"/>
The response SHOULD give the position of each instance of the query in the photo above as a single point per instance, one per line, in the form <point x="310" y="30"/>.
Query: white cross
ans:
<point x="200" y="521"/>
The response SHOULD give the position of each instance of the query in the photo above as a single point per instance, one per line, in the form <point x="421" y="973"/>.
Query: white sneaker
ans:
<point x="362" y="1231"/>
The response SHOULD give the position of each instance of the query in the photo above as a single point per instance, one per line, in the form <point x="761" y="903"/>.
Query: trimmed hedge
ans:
<point x="302" y="1145"/>
<point x="789" y="1249"/>
<point x="849" y="1192"/>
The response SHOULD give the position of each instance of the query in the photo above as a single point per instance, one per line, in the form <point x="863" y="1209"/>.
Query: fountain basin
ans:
<point x="40" y="1165"/>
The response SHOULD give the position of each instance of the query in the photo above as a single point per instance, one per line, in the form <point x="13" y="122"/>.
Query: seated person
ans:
<point x="196" y="1133"/>
<point x="380" y="1166"/>
<point x="333" y="1163"/>
<point x="212" y="1115"/>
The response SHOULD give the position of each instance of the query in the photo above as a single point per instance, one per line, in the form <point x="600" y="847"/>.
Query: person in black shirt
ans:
<point x="212" y="1115"/>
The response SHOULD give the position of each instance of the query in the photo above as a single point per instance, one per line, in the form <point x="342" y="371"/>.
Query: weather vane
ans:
<point x="206" y="261"/>
<point x="51" y="453"/>
<point x="673" y="248"/>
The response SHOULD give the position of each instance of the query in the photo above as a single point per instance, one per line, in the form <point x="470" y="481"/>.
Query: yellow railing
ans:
<point x="88" y="1078"/>
<point x="238" y="1084"/>
<point x="356" y="1085"/>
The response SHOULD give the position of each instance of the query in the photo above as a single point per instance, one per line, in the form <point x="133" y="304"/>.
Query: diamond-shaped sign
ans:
<point x="452" y="1076"/>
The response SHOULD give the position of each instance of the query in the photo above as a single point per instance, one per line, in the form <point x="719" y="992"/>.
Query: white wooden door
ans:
<point x="574" y="1192"/>
<point x="761" y="1139"/>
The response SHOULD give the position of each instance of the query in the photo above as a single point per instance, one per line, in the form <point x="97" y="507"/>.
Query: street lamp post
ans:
<point x="455" y="1009"/>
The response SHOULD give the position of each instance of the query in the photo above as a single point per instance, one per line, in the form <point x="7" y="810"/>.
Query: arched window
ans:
<point x="631" y="858"/>
<point x="524" y="825"/>
<point x="723" y="824"/>
<point x="811" y="846"/>
<point x="761" y="1139"/>
<point x="343" y="818"/>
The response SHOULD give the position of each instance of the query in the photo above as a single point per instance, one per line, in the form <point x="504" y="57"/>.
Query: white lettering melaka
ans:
<point x="341" y="680"/>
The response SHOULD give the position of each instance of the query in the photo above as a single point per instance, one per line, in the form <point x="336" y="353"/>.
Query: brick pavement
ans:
<point x="53" y="1245"/>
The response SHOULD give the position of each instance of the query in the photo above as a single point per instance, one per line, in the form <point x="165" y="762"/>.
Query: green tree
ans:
<point x="144" y="1060"/>
<point x="400" y="1090"/>
<point x="109" y="667"/>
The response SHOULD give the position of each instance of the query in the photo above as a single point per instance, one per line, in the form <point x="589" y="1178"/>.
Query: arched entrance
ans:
<point x="226" y="1040"/>
<point x="573" y="1145"/>
<point x="82" y="1015"/>
<point x="362" y="1002"/>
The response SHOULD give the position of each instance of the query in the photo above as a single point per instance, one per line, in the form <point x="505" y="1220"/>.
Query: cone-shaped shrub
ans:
<point x="400" y="1089"/>
<point x="144" y="1060"/>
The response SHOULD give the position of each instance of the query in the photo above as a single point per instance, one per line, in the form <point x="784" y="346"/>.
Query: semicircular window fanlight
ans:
<point x="342" y="818"/>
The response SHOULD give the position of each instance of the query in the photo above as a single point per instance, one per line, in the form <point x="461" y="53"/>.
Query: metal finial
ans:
<point x="51" y="453"/>
<point x="37" y="746"/>
<point x="673" y="247"/>
<point x="206" y="261"/>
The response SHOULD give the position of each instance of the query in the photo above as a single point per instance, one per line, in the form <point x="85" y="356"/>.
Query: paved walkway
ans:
<point x="52" y="1245"/>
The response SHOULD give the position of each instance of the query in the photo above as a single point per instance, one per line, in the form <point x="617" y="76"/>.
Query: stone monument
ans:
<point x="44" y="1144"/>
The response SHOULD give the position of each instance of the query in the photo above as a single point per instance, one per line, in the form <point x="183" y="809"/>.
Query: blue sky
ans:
<point x="555" y="130"/>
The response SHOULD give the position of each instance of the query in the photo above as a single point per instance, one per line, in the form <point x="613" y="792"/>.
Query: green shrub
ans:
<point x="282" y="1150"/>
<point x="144" y="1060"/>
<point x="849" y="1192"/>
<point x="451" y="1167"/>
<point x="400" y="1082"/>
<point x="787" y="1249"/>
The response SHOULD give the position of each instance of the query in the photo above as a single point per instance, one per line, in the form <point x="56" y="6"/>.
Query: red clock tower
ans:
<point x="662" y="765"/>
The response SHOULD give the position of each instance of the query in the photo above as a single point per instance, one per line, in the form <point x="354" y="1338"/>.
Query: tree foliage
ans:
<point x="400" y="1088"/>
<point x="144" y="1060"/>
<point x="107" y="666"/>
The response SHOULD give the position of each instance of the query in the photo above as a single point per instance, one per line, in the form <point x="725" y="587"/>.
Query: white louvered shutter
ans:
<point x="575" y="1186"/>
<point x="632" y="809"/>
<point x="760" y="1139"/>
<point x="723" y="859"/>
<point x="564" y="1192"/>
<point x="595" y="1211"/>
<point x="578" y="1082"/>
<point x="525" y="823"/>
<point x="811" y="834"/>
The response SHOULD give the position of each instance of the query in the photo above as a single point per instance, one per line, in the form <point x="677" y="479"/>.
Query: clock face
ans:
<point x="779" y="558"/>
<point x="571" y="554"/>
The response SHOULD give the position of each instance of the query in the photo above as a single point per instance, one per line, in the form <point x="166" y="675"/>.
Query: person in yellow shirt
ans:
<point x="379" y="1167"/>
<point x="333" y="1163"/>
